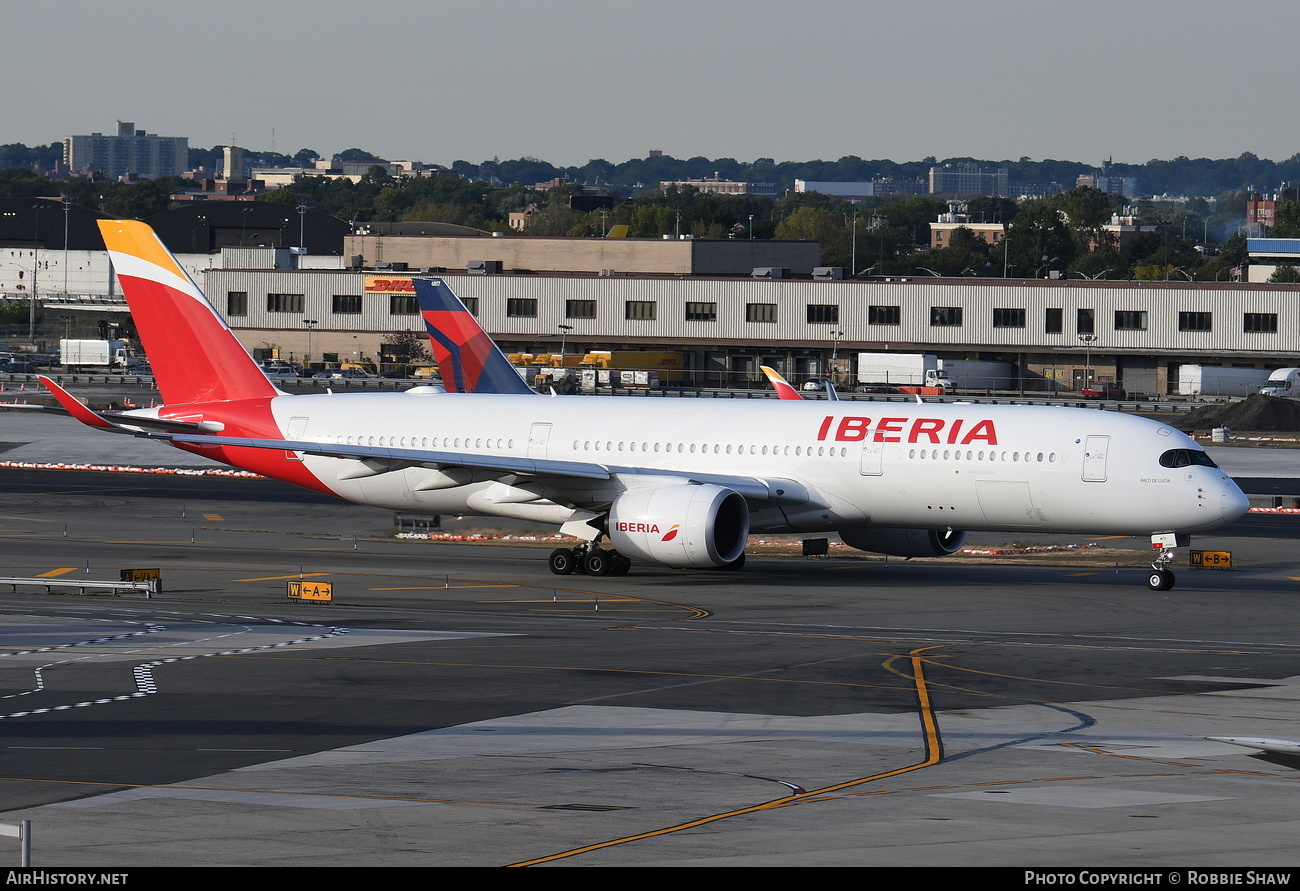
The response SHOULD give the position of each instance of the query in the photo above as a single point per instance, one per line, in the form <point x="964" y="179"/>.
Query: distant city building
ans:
<point x="1035" y="190"/>
<point x="1265" y="255"/>
<point x="968" y="179"/>
<point x="232" y="162"/>
<point x="719" y="186"/>
<point x="1125" y="229"/>
<point x="1262" y="208"/>
<point x="1108" y="182"/>
<point x="957" y="218"/>
<point x="131" y="151"/>
<point x="519" y="220"/>
<point x="887" y="185"/>
<point x="850" y="191"/>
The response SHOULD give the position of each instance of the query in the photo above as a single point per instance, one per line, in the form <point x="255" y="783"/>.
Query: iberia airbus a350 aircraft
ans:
<point x="681" y="483"/>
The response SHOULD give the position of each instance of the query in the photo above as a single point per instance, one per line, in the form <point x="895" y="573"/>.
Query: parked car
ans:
<point x="1105" y="390"/>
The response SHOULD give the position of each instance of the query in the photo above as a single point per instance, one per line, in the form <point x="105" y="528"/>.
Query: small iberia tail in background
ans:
<point x="780" y="384"/>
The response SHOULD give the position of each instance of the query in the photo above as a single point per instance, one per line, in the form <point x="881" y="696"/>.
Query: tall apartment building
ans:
<point x="968" y="179"/>
<point x="146" y="155"/>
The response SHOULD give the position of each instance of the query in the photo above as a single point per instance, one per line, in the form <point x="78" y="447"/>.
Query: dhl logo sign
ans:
<point x="375" y="284"/>
<point x="913" y="430"/>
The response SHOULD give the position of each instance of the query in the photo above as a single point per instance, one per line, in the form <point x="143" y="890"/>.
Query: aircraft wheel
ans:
<point x="599" y="562"/>
<point x="562" y="561"/>
<point x="1160" y="580"/>
<point x="621" y="565"/>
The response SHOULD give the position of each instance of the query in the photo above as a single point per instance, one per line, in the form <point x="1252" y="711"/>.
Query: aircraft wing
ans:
<point x="379" y="459"/>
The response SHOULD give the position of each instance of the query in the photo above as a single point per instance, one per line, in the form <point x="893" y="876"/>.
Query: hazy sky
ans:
<point x="571" y="80"/>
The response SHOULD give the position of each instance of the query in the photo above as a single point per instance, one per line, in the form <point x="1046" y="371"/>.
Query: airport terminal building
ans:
<point x="303" y="286"/>
<point x="1056" y="332"/>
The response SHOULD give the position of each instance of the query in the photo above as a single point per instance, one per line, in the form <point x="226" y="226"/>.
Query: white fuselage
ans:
<point x="861" y="464"/>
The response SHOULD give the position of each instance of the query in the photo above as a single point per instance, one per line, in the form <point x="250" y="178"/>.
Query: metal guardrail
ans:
<point x="148" y="588"/>
<point x="23" y="832"/>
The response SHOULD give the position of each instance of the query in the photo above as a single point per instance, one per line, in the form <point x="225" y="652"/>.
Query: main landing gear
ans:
<point x="590" y="559"/>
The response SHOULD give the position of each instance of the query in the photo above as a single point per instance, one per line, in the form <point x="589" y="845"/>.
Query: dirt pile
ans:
<point x="1256" y="414"/>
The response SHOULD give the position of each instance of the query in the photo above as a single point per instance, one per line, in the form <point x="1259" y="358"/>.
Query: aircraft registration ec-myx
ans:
<point x="677" y="482"/>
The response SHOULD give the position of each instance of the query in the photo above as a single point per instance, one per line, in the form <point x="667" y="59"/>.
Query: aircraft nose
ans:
<point x="1234" y="502"/>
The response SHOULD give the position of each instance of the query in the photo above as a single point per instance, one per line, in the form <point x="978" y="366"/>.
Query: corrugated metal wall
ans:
<point x="1162" y="302"/>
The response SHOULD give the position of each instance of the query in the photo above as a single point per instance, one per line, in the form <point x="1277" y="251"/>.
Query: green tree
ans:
<point x="139" y="200"/>
<point x="1285" y="274"/>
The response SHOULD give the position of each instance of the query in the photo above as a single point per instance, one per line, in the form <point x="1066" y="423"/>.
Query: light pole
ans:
<point x="306" y="360"/>
<point x="1087" y="340"/>
<point x="36" y="265"/>
<point x="835" y="354"/>
<point x="564" y="333"/>
<point x="751" y="227"/>
<point x="67" y="206"/>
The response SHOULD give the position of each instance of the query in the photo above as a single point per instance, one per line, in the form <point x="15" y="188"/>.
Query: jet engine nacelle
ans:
<point x="680" y="525"/>
<point x="899" y="542"/>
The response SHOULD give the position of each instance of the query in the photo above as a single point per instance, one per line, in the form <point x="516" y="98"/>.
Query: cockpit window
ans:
<point x="1186" y="458"/>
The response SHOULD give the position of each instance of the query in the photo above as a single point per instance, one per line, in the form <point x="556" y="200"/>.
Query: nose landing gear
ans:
<point x="1161" y="578"/>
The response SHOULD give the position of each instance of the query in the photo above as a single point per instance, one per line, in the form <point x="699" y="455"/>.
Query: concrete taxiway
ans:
<point x="459" y="705"/>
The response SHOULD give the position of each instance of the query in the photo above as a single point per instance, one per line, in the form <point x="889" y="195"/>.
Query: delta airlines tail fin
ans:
<point x="468" y="360"/>
<point x="195" y="356"/>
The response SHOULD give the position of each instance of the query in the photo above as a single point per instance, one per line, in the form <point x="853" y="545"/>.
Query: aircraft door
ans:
<point x="538" y="439"/>
<point x="872" y="454"/>
<point x="1094" y="458"/>
<point x="297" y="432"/>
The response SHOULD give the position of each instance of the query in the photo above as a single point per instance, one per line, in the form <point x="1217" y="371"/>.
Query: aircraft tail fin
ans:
<point x="194" y="354"/>
<point x="468" y="360"/>
<point x="780" y="384"/>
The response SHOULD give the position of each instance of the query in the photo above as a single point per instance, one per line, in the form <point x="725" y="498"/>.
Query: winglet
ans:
<point x="782" y="387"/>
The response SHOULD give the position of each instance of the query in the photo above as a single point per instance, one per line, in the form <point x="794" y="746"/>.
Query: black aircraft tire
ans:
<point x="599" y="563"/>
<point x="562" y="561"/>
